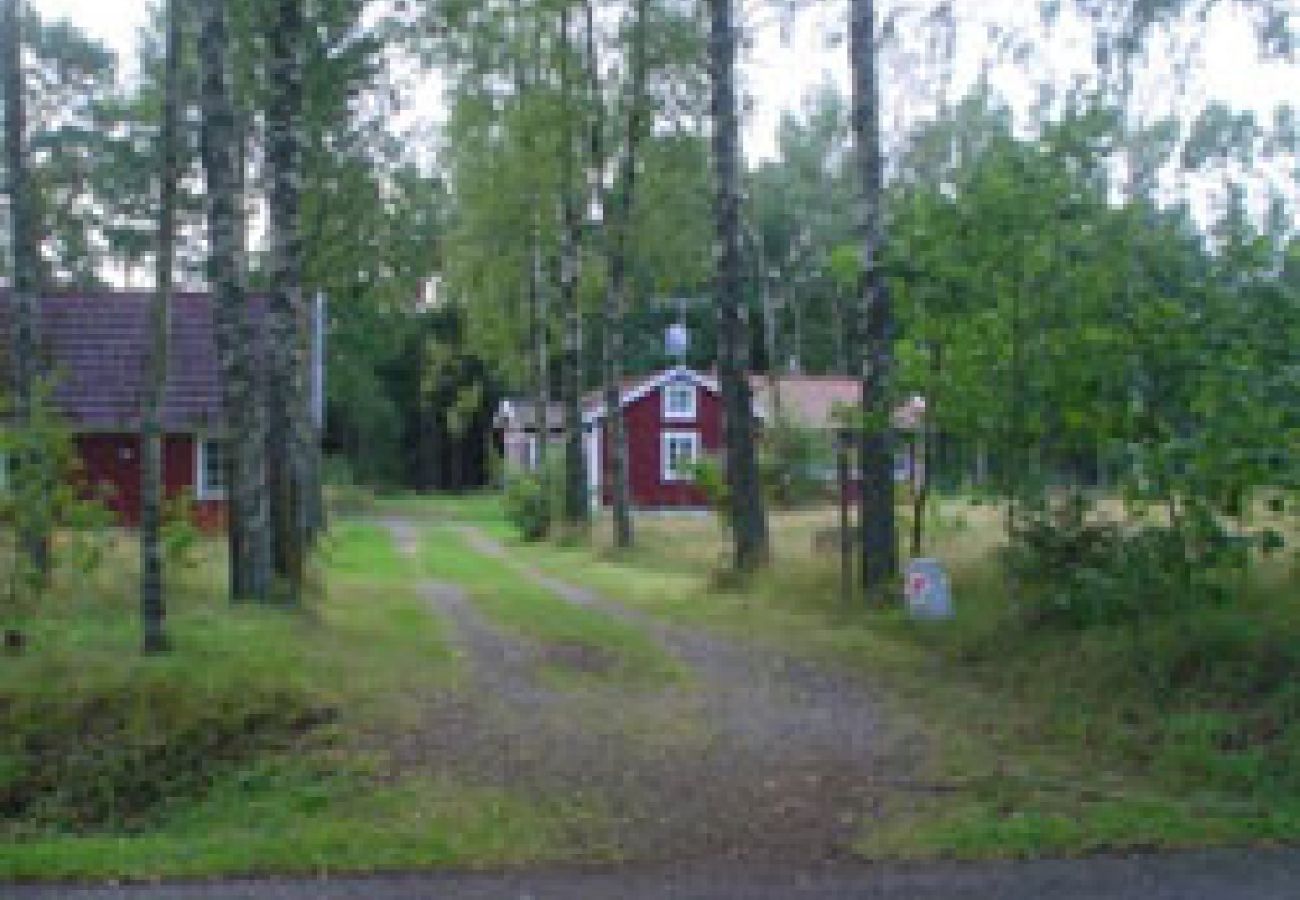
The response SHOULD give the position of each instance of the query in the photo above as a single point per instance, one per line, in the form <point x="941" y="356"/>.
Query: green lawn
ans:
<point x="257" y="746"/>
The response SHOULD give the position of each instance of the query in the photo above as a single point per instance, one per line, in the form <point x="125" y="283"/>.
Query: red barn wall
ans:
<point x="645" y="427"/>
<point x="111" y="471"/>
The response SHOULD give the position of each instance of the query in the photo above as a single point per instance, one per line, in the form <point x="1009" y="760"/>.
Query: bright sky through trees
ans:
<point x="783" y="65"/>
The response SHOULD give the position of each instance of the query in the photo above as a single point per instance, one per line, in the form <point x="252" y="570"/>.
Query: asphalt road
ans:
<point x="1218" y="875"/>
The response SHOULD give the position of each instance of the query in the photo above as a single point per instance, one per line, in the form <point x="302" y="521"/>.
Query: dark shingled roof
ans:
<point x="96" y="348"/>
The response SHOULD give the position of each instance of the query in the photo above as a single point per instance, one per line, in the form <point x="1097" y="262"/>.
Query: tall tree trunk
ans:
<point x="287" y="428"/>
<point x="748" y="514"/>
<point x="152" y="482"/>
<point x="616" y="299"/>
<point x="22" y="233"/>
<point x="576" y="509"/>
<point x="929" y="439"/>
<point x="542" y="367"/>
<point x="237" y="343"/>
<point x="314" y="338"/>
<point x="879" y="522"/>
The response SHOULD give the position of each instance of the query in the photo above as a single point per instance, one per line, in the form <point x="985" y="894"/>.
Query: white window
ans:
<point x="679" y="402"/>
<point x="211" y="469"/>
<point x="681" y="451"/>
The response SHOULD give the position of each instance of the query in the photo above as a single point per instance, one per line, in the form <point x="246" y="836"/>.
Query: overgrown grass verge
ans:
<point x="257" y="745"/>
<point x="578" y="644"/>
<point x="317" y="828"/>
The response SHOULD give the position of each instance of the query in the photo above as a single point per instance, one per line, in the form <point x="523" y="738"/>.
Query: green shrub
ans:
<point x="44" y="492"/>
<point x="528" y="505"/>
<point x="180" y="533"/>
<point x="710" y="476"/>
<point x="796" y="464"/>
<point x="1071" y="572"/>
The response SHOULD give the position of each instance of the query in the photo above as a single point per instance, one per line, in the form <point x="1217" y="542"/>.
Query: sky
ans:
<point x="783" y="65"/>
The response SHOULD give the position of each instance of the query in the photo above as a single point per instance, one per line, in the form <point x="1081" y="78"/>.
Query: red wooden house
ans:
<point x="673" y="419"/>
<point x="96" y="349"/>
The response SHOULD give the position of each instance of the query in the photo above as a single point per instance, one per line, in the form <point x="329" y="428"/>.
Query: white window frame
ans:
<point x="689" y="412"/>
<point x="669" y="474"/>
<point x="203" y="490"/>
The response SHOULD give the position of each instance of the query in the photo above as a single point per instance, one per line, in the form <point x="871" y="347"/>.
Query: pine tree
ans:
<point x="152" y="588"/>
<point x="748" y="514"/>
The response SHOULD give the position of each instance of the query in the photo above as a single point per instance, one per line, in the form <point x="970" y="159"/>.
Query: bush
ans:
<point x="710" y="476"/>
<point x="796" y="464"/>
<point x="1074" y="573"/>
<point x="528" y="505"/>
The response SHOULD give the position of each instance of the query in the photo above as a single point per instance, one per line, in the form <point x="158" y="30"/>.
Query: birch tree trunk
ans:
<point x="748" y="515"/>
<point x="236" y="341"/>
<point x="287" y="429"/>
<point x="879" y="524"/>
<point x="22" y="233"/>
<point x="575" y="476"/>
<point x="152" y="482"/>
<point x="615" y="305"/>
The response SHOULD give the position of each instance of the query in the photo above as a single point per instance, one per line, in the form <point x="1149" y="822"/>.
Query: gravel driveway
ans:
<point x="751" y="756"/>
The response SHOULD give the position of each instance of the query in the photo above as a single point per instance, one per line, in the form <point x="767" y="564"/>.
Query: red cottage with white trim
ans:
<point x="673" y="419"/>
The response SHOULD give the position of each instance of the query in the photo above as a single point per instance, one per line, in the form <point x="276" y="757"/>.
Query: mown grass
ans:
<point x="1177" y="731"/>
<point x="257" y="745"/>
<point x="619" y="650"/>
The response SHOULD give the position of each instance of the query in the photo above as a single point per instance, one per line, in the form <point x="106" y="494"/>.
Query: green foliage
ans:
<point x="530" y="502"/>
<point x="46" y="493"/>
<point x="1074" y="572"/>
<point x="181" y="536"/>
<point x="794" y="463"/>
<point x="710" y="476"/>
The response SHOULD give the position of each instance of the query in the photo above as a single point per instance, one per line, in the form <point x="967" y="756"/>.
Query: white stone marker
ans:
<point x="929" y="594"/>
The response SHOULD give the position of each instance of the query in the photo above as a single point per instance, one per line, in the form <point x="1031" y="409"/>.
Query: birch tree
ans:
<point x="571" y="210"/>
<point x="287" y="429"/>
<point x="249" y="536"/>
<point x="614" y="310"/>
<point x="152" y="590"/>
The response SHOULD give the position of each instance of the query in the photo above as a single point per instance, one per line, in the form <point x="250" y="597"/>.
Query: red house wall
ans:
<point x="645" y="427"/>
<point x="111" y="470"/>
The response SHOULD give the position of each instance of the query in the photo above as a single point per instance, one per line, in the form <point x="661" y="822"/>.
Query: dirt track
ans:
<point x="752" y="756"/>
